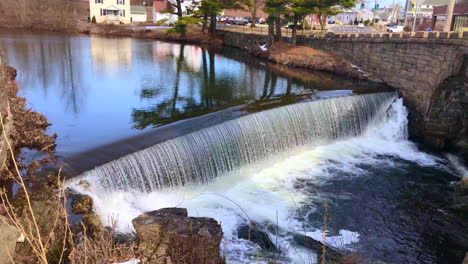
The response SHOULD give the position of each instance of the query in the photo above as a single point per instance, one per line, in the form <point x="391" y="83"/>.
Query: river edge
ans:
<point x="193" y="43"/>
<point x="281" y="53"/>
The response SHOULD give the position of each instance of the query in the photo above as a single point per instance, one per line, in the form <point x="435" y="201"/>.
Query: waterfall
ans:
<point x="201" y="156"/>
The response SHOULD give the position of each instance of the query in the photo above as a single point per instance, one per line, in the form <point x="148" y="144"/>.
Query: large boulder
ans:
<point x="256" y="235"/>
<point x="169" y="236"/>
<point x="11" y="73"/>
<point x="331" y="256"/>
<point x="8" y="237"/>
<point x="461" y="197"/>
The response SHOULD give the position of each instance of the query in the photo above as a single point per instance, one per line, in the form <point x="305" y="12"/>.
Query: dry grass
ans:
<point x="100" y="247"/>
<point x="324" y="232"/>
<point x="31" y="13"/>
<point x="47" y="231"/>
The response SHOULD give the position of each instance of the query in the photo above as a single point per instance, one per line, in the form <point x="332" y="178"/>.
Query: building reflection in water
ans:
<point x="111" y="55"/>
<point x="96" y="90"/>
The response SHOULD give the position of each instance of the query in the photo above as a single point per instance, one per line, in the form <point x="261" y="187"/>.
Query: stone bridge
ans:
<point x="421" y="66"/>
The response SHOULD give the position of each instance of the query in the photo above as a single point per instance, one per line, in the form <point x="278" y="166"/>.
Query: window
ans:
<point x="99" y="1"/>
<point x="121" y="2"/>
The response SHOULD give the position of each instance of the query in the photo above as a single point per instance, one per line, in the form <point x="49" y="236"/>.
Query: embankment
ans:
<point x="5" y="116"/>
<point x="418" y="65"/>
<point x="23" y="127"/>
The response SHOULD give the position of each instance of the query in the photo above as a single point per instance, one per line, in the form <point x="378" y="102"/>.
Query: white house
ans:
<point x="160" y="6"/>
<point x="365" y="14"/>
<point x="110" y="11"/>
<point x="138" y="13"/>
<point x="346" y="17"/>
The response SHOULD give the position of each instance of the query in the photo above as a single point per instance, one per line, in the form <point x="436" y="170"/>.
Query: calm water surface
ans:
<point x="96" y="91"/>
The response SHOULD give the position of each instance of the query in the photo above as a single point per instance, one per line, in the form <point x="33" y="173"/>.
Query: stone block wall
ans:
<point x="6" y="127"/>
<point x="416" y="64"/>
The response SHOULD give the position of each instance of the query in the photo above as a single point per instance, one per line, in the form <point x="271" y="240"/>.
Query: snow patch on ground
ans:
<point x="132" y="261"/>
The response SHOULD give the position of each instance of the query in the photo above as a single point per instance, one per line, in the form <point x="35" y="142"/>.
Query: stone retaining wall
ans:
<point x="6" y="116"/>
<point x="415" y="64"/>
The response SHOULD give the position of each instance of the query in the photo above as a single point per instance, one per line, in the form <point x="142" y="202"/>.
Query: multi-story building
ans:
<point x="422" y="8"/>
<point x="110" y="11"/>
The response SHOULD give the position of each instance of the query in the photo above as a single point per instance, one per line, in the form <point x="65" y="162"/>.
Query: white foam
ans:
<point x="458" y="165"/>
<point x="268" y="195"/>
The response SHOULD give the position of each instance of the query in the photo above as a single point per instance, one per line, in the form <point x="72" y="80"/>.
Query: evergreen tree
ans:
<point x="275" y="9"/>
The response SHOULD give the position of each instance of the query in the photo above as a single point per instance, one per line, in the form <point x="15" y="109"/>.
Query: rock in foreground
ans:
<point x="8" y="236"/>
<point x="168" y="236"/>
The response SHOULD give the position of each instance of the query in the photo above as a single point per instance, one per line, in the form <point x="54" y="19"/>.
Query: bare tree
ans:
<point x="254" y="5"/>
<point x="55" y="14"/>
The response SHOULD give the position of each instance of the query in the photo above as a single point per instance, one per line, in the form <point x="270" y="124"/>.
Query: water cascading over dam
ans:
<point x="202" y="156"/>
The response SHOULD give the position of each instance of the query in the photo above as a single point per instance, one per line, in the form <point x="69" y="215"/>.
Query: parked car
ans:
<point x="299" y="26"/>
<point x="360" y="25"/>
<point x="236" y="21"/>
<point x="331" y="22"/>
<point x="395" y="28"/>
<point x="261" y="20"/>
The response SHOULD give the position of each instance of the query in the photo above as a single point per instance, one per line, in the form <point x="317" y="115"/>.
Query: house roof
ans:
<point x="112" y="8"/>
<point x="435" y="2"/>
<point x="159" y="6"/>
<point x="137" y="9"/>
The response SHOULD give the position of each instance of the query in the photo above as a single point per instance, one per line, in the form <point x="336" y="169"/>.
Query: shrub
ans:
<point x="93" y="20"/>
<point x="162" y="22"/>
<point x="407" y="29"/>
<point x="181" y="25"/>
<point x="366" y="22"/>
<point x="306" y="24"/>
<point x="371" y="24"/>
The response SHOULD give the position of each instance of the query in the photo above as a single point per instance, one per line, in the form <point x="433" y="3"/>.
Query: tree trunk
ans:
<point x="271" y="30"/>
<point x="294" y="31"/>
<point x="179" y="8"/>
<point x="212" y="84"/>
<point x="213" y="25"/>
<point x="205" y="18"/>
<point x="177" y="79"/>
<point x="322" y="20"/>
<point x="274" y="78"/>
<point x="289" y="86"/>
<point x="266" y="83"/>
<point x="254" y="14"/>
<point x="278" y="28"/>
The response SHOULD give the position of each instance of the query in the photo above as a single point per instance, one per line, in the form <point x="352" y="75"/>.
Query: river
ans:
<point x="385" y="198"/>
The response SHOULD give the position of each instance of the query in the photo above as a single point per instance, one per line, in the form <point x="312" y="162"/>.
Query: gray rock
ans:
<point x="316" y="246"/>
<point x="169" y="236"/>
<point x="8" y="237"/>
<point x="256" y="235"/>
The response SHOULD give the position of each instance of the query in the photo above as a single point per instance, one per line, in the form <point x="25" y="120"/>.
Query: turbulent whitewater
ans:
<point x="284" y="190"/>
<point x="202" y="156"/>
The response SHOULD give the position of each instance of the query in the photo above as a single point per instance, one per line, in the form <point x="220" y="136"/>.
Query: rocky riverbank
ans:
<point x="24" y="127"/>
<point x="193" y="35"/>
<point x="21" y="128"/>
<point x="308" y="58"/>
